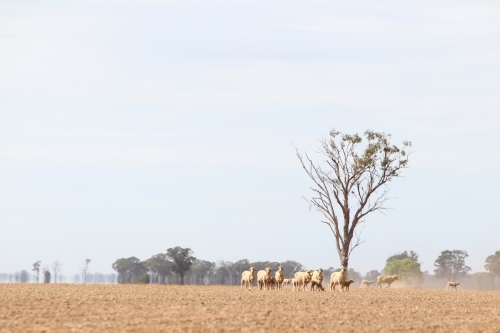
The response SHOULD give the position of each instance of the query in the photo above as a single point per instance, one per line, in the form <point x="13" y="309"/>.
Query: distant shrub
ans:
<point x="46" y="277"/>
<point x="24" y="276"/>
<point x="143" y="279"/>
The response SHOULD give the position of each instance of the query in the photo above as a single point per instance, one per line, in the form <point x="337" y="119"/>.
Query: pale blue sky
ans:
<point x="127" y="127"/>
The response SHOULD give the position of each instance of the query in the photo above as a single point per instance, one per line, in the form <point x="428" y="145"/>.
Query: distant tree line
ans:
<point x="449" y="266"/>
<point x="179" y="266"/>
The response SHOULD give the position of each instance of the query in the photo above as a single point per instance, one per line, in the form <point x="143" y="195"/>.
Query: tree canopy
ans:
<point x="159" y="266"/>
<point x="451" y="265"/>
<point x="406" y="269"/>
<point x="403" y="255"/>
<point x="493" y="264"/>
<point x="352" y="182"/>
<point x="182" y="260"/>
<point x="129" y="269"/>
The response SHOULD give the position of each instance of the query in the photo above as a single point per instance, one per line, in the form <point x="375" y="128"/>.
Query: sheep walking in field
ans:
<point x="386" y="279"/>
<point x="247" y="278"/>
<point x="264" y="278"/>
<point x="317" y="280"/>
<point x="338" y="279"/>
<point x="453" y="285"/>
<point x="366" y="283"/>
<point x="279" y="276"/>
<point x="302" y="279"/>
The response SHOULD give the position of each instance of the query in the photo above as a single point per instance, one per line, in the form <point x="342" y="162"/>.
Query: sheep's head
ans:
<point x="396" y="277"/>
<point x="349" y="282"/>
<point x="252" y="269"/>
<point x="458" y="283"/>
<point x="268" y="270"/>
<point x="320" y="270"/>
<point x="310" y="273"/>
<point x="280" y="269"/>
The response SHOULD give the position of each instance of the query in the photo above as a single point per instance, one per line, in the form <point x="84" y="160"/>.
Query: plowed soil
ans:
<point x="153" y="308"/>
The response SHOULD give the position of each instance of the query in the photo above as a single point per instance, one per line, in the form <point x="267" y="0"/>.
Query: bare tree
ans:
<point x="56" y="268"/>
<point x="353" y="182"/>
<point x="36" y="268"/>
<point x="85" y="269"/>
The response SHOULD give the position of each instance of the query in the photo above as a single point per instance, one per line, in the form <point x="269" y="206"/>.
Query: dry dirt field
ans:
<point x="152" y="308"/>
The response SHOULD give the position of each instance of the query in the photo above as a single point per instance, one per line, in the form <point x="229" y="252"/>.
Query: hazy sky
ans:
<point x="127" y="127"/>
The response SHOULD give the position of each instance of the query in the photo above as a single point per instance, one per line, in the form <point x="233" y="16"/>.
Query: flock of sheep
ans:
<point x="302" y="279"/>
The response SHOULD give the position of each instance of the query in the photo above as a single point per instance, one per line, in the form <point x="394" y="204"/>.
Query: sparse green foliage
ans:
<point x="406" y="269"/>
<point x="451" y="265"/>
<point x="352" y="182"/>
<point x="403" y="255"/>
<point x="183" y="259"/>
<point x="143" y="279"/>
<point x="129" y="269"/>
<point x="493" y="264"/>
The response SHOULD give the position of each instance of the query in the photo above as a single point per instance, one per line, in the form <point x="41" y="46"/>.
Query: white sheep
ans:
<point x="302" y="279"/>
<point x="452" y="285"/>
<point x="247" y="277"/>
<point x="338" y="278"/>
<point x="317" y="279"/>
<point x="264" y="278"/>
<point x="279" y="276"/>
<point x="386" y="279"/>
<point x="366" y="283"/>
<point x="286" y="282"/>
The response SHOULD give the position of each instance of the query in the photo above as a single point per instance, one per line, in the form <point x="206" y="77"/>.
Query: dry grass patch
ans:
<point x="153" y="308"/>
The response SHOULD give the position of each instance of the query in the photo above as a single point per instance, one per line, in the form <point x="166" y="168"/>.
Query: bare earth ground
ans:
<point x="153" y="308"/>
